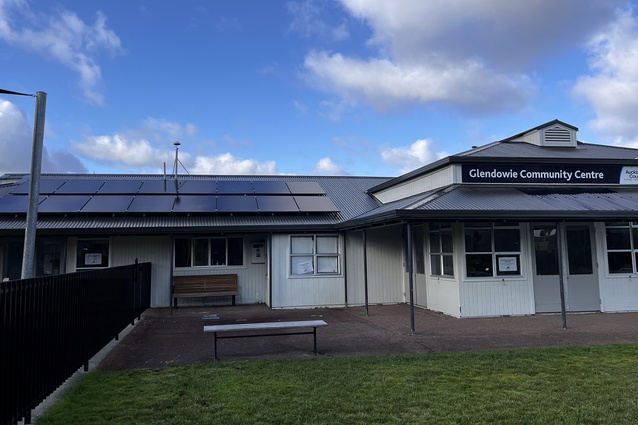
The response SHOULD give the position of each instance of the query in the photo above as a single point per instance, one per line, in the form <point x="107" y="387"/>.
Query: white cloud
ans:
<point x="64" y="37"/>
<point x="612" y="89"/>
<point x="16" y="145"/>
<point x="150" y="146"/>
<point x="327" y="167"/>
<point x="228" y="164"/>
<point x="473" y="55"/>
<point x="307" y="21"/>
<point x="409" y="158"/>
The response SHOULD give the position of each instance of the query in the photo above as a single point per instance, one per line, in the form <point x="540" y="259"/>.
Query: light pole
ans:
<point x="28" y="255"/>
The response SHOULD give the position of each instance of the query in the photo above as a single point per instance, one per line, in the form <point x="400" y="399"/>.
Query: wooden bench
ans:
<point x="256" y="328"/>
<point x="214" y="285"/>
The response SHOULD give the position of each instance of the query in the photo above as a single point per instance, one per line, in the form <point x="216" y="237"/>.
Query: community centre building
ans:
<point x="491" y="231"/>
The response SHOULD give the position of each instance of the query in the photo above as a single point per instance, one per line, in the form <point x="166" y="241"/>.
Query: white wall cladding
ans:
<point x="355" y="278"/>
<point x="252" y="278"/>
<point x="290" y="292"/>
<point x="148" y="249"/>
<point x="443" y="296"/>
<point x="385" y="265"/>
<point x="440" y="178"/>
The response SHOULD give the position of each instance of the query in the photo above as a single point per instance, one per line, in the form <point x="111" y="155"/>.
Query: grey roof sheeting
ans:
<point x="529" y="203"/>
<point x="348" y="194"/>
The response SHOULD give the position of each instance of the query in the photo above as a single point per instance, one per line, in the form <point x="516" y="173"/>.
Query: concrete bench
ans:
<point x="256" y="329"/>
<point x="213" y="285"/>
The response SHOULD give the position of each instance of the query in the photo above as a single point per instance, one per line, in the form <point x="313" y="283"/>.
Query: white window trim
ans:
<point x="315" y="274"/>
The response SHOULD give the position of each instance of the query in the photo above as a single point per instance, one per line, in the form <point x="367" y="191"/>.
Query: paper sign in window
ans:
<point x="92" y="259"/>
<point x="507" y="264"/>
<point x="305" y="267"/>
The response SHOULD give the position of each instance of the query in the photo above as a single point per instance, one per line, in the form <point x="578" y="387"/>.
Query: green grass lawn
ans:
<point x="572" y="385"/>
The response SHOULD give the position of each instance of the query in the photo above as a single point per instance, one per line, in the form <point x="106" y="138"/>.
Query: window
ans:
<point x="314" y="255"/>
<point x="92" y="253"/>
<point x="492" y="249"/>
<point x="622" y="247"/>
<point x="199" y="252"/>
<point x="441" y="249"/>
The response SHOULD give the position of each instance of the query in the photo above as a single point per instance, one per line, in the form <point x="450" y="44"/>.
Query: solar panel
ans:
<point x="197" y="186"/>
<point x="63" y="203"/>
<point x="120" y="186"/>
<point x="235" y="187"/>
<point x="305" y="188"/>
<point x="152" y="204"/>
<point x="315" y="204"/>
<point x="108" y="204"/>
<point x="87" y="187"/>
<point x="14" y="204"/>
<point x="47" y="186"/>
<point x="195" y="204"/>
<point x="276" y="204"/>
<point x="231" y="203"/>
<point x="270" y="187"/>
<point x="158" y="186"/>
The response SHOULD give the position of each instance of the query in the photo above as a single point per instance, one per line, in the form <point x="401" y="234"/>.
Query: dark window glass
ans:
<point x="435" y="264"/>
<point x="620" y="262"/>
<point x="479" y="265"/>
<point x="235" y="251"/>
<point x="545" y="246"/>
<point x="182" y="252"/>
<point x="507" y="240"/>
<point x="448" y="265"/>
<point x="201" y="252"/>
<point x="92" y="253"/>
<point x="478" y="240"/>
<point x="218" y="252"/>
<point x="579" y="251"/>
<point x="618" y="238"/>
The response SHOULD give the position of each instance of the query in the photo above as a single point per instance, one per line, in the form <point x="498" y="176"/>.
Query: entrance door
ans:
<point x="581" y="279"/>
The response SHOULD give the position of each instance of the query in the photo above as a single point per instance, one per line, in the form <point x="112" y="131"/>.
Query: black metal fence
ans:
<point x="51" y="326"/>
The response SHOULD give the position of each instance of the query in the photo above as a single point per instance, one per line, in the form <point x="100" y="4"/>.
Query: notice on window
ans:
<point x="92" y="259"/>
<point x="507" y="264"/>
<point x="305" y="267"/>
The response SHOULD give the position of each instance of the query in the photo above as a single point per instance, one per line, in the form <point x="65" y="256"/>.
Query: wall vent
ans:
<point x="558" y="136"/>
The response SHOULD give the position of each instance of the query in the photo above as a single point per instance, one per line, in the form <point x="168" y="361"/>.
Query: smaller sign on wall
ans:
<point x="629" y="175"/>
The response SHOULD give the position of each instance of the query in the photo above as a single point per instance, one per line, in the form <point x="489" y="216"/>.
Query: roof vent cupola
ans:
<point x="551" y="135"/>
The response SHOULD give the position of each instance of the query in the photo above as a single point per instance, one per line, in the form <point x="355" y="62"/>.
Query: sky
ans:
<point x="316" y="87"/>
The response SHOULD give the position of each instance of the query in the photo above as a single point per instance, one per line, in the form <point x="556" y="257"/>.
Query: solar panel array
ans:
<point x="168" y="196"/>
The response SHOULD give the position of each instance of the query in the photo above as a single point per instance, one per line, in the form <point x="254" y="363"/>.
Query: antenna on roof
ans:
<point x="176" y="166"/>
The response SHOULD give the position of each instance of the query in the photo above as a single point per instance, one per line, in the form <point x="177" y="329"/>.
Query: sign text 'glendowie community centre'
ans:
<point x="536" y="173"/>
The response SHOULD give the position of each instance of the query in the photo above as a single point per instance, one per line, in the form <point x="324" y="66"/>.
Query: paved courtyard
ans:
<point x="162" y="338"/>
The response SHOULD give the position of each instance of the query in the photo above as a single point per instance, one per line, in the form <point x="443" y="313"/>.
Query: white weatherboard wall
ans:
<point x="252" y="278"/>
<point x="434" y="180"/>
<point x="618" y="293"/>
<point x="148" y="249"/>
<point x="355" y="272"/>
<point x="497" y="296"/>
<point x="301" y="291"/>
<point x="385" y="265"/>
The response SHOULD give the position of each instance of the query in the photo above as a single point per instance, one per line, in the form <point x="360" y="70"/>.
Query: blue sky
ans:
<point x="359" y="87"/>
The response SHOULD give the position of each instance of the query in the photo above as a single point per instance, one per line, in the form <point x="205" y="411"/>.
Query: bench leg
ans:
<point x="314" y="333"/>
<point x="215" y="346"/>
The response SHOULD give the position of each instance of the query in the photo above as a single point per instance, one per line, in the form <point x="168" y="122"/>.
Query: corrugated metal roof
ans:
<point x="347" y="193"/>
<point x="479" y="202"/>
<point x="521" y="150"/>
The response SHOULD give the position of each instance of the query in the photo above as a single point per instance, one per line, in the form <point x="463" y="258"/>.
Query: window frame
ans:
<point x="310" y="259"/>
<point x="497" y="257"/>
<point x="191" y="255"/>
<point x="438" y="257"/>
<point x="632" y="249"/>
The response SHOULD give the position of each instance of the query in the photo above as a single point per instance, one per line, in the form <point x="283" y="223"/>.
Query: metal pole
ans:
<point x="561" y="274"/>
<point x="28" y="256"/>
<point x="411" y="277"/>
<point x="365" y="270"/>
